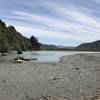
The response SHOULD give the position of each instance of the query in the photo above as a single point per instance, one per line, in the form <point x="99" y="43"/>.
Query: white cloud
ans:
<point x="73" y="23"/>
<point x="41" y="32"/>
<point x="82" y="25"/>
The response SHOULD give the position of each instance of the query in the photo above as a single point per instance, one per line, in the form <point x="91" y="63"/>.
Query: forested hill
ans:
<point x="11" y="39"/>
<point x="93" y="46"/>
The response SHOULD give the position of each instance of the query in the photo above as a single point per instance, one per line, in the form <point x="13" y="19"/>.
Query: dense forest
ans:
<point x="10" y="39"/>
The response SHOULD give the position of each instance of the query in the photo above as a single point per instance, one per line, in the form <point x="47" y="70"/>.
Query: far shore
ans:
<point x="73" y="77"/>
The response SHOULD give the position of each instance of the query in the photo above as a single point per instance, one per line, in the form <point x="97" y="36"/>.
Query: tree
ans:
<point x="4" y="47"/>
<point x="2" y="24"/>
<point x="34" y="42"/>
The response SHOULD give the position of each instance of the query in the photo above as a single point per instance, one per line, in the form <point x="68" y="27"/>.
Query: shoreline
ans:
<point x="72" y="77"/>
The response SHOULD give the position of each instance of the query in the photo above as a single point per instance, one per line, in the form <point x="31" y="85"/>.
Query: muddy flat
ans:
<point x="75" y="76"/>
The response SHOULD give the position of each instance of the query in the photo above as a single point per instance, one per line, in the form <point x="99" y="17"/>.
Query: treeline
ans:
<point x="10" y="39"/>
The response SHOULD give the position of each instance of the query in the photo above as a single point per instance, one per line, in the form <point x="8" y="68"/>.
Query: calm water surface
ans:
<point x="49" y="56"/>
<point x="41" y="56"/>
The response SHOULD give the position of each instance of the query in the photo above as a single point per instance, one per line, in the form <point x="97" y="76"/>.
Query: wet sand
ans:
<point x="74" y="76"/>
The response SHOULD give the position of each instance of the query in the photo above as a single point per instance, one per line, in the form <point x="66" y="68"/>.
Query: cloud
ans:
<point x="66" y="20"/>
<point x="40" y="33"/>
<point x="81" y="24"/>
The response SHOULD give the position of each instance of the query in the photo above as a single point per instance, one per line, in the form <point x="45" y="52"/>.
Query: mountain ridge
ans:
<point x="91" y="46"/>
<point x="11" y="39"/>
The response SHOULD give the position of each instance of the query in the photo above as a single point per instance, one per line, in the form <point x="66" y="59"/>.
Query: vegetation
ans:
<point x="34" y="42"/>
<point x="93" y="46"/>
<point x="4" y="45"/>
<point x="55" y="48"/>
<point x="10" y="39"/>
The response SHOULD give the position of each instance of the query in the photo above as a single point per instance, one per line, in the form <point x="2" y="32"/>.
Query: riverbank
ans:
<point x="74" y="76"/>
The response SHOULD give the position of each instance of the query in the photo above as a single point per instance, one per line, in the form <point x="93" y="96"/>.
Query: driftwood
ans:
<point x="24" y="59"/>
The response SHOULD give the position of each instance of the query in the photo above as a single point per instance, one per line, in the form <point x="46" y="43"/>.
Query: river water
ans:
<point x="41" y="56"/>
<point x="49" y="56"/>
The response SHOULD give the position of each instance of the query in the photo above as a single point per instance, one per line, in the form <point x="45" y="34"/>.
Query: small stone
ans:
<point x="3" y="81"/>
<point x="81" y="90"/>
<point x="19" y="61"/>
<point x="77" y="68"/>
<point x="34" y="59"/>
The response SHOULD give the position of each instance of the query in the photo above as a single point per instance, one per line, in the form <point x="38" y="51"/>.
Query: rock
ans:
<point x="34" y="59"/>
<point x="3" y="81"/>
<point x="19" y="52"/>
<point x="19" y="61"/>
<point x="16" y="58"/>
<point x="77" y="68"/>
<point x="4" y="54"/>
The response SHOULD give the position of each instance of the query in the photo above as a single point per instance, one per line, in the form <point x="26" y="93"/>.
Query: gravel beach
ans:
<point x="75" y="76"/>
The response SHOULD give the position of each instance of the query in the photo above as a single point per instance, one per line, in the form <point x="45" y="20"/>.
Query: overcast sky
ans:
<point x="60" y="22"/>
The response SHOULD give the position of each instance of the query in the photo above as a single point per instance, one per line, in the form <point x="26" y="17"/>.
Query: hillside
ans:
<point x="55" y="47"/>
<point x="10" y="39"/>
<point x="93" y="46"/>
<point x="48" y="47"/>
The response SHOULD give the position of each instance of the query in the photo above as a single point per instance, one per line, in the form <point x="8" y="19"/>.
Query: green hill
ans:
<point x="10" y="39"/>
<point x="93" y="46"/>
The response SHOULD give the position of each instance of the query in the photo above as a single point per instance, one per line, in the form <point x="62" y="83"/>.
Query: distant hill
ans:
<point x="48" y="47"/>
<point x="11" y="39"/>
<point x="55" y="47"/>
<point x="93" y="46"/>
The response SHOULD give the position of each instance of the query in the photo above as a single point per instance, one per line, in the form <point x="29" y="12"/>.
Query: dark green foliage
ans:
<point x="2" y="24"/>
<point x="4" y="46"/>
<point x="34" y="42"/>
<point x="10" y="39"/>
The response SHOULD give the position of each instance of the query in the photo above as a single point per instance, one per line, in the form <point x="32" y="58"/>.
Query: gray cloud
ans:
<point x="66" y="20"/>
